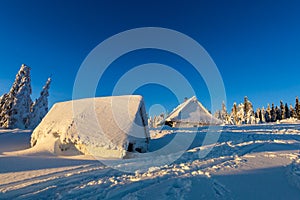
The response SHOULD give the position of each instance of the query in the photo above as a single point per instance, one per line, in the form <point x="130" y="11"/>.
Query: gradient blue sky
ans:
<point x="255" y="44"/>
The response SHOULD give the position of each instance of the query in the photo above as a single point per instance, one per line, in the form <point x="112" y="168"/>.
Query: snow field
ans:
<point x="247" y="162"/>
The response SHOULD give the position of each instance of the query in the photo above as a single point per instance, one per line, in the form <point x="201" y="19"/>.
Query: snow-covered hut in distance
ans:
<point x="107" y="127"/>
<point x="191" y="113"/>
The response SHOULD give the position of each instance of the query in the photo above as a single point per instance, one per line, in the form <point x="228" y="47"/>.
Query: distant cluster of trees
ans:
<point x="17" y="110"/>
<point x="243" y="113"/>
<point x="154" y="121"/>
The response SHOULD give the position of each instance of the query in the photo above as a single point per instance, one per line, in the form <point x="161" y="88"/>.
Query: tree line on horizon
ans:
<point x="244" y="113"/>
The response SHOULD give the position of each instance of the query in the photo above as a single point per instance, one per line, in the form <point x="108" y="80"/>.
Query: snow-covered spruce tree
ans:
<point x="15" y="106"/>
<point x="224" y="114"/>
<point x="287" y="111"/>
<point x="5" y="110"/>
<point x="22" y="102"/>
<point x="292" y="111"/>
<point x="263" y="114"/>
<point x="258" y="116"/>
<point x="273" y="113"/>
<point x="247" y="106"/>
<point x="218" y="115"/>
<point x="233" y="114"/>
<point x="248" y="112"/>
<point x="240" y="114"/>
<point x="278" y="113"/>
<point x="40" y="107"/>
<point x="297" y="108"/>
<point x="282" y="109"/>
<point x="268" y="114"/>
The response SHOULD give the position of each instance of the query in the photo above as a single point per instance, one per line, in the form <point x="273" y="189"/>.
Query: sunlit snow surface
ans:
<point x="248" y="162"/>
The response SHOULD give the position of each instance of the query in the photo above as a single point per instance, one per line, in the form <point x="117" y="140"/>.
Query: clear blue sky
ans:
<point x="255" y="44"/>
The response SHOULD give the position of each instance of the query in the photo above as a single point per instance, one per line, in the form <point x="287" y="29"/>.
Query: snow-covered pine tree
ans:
<point x="263" y="113"/>
<point x="268" y="114"/>
<point x="218" y="115"/>
<point x="22" y="101"/>
<point x="287" y="111"/>
<point x="249" y="115"/>
<point x="297" y="108"/>
<point x="15" y="105"/>
<point x="258" y="115"/>
<point x="233" y="114"/>
<point x="282" y="109"/>
<point x="40" y="107"/>
<point x="273" y="113"/>
<point x="247" y="105"/>
<point x="150" y="122"/>
<point x="292" y="111"/>
<point x="224" y="114"/>
<point x="278" y="113"/>
<point x="5" y="111"/>
<point x="240" y="114"/>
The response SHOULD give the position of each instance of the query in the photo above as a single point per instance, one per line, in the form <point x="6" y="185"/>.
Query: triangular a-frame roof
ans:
<point x="191" y="111"/>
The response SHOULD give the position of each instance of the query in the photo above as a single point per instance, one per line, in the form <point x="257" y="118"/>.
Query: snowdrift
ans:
<point x="103" y="127"/>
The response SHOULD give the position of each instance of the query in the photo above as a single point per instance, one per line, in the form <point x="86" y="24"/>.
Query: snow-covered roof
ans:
<point x="192" y="111"/>
<point x="107" y="122"/>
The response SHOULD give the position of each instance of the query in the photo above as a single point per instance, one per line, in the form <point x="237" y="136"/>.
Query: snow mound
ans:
<point x="104" y="127"/>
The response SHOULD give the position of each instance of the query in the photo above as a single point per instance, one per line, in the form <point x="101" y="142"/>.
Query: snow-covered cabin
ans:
<point x="103" y="127"/>
<point x="191" y="113"/>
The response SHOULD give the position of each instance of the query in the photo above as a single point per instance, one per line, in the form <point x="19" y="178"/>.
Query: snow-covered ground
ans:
<point x="248" y="162"/>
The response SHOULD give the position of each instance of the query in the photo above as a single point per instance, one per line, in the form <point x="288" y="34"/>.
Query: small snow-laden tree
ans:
<point x="247" y="105"/>
<point x="6" y="111"/>
<point x="224" y="114"/>
<point x="287" y="111"/>
<point x="297" y="108"/>
<point x="292" y="111"/>
<point x="263" y="112"/>
<point x="233" y="115"/>
<point x="40" y="107"/>
<point x="240" y="114"/>
<point x="157" y="120"/>
<point x="282" y="109"/>
<point x="248" y="111"/>
<point x="250" y="117"/>
<point x="258" y="116"/>
<point x="3" y="100"/>
<point x="150" y="122"/>
<point x="218" y="115"/>
<point x="278" y="113"/>
<point x="268" y="114"/>
<point x="273" y="114"/>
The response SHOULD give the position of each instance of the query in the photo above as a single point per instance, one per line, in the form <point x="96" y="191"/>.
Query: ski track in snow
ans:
<point x="236" y="150"/>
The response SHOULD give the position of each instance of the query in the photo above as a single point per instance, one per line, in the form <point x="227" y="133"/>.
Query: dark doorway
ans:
<point x="130" y="147"/>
